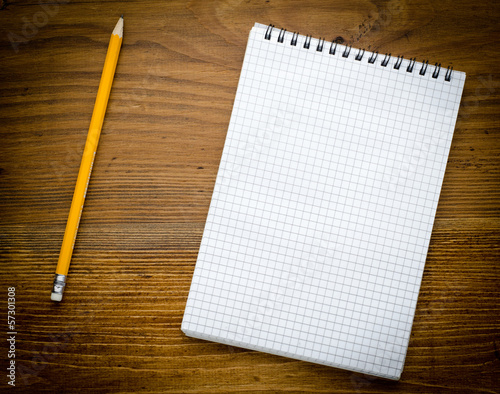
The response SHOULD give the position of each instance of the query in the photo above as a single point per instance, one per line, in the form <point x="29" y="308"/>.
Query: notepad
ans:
<point x="322" y="211"/>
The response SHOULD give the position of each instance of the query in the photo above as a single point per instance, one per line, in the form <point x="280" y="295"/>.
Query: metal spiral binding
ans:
<point x="360" y="55"/>
<point x="447" y="76"/>
<point x="409" y="69"/>
<point x="437" y="67"/>
<point x="373" y="57"/>
<point x="321" y="42"/>
<point x="399" y="60"/>
<point x="332" y="48"/>
<point x="361" y="52"/>
<point x="347" y="51"/>
<point x="424" y="67"/>
<point x="281" y="37"/>
<point x="269" y="30"/>
<point x="387" y="57"/>
<point x="307" y="42"/>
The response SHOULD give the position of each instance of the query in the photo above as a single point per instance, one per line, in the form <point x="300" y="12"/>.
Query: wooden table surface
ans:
<point x="118" y="327"/>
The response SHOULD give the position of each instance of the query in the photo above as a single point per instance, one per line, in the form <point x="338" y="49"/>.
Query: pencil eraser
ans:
<point x="56" y="297"/>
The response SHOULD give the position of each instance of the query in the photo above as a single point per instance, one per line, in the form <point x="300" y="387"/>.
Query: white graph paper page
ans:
<point x="322" y="211"/>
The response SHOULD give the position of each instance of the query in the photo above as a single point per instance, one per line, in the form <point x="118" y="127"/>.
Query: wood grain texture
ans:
<point x="118" y="328"/>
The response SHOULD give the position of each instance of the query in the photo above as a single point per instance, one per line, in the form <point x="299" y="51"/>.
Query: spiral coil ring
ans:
<point x="373" y="57"/>
<point x="332" y="48"/>
<point x="399" y="60"/>
<point x="321" y="42"/>
<point x="409" y="69"/>
<point x="387" y="57"/>
<point x="307" y="42"/>
<point x="281" y="37"/>
<point x="360" y="54"/>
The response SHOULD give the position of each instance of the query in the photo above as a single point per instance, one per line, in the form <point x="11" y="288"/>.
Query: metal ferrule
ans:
<point x="59" y="283"/>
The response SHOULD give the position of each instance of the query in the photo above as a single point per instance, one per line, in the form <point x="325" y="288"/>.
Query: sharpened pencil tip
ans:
<point x="118" y="30"/>
<point x="121" y="16"/>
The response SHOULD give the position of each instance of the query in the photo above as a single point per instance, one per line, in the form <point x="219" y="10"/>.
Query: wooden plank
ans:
<point x="118" y="328"/>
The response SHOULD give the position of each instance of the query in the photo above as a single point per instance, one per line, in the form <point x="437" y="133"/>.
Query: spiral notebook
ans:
<point x="323" y="206"/>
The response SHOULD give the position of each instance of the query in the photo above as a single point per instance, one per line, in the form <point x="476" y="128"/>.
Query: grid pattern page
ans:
<point x="323" y="207"/>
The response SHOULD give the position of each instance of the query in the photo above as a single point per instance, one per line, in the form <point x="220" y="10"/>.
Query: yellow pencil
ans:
<point x="82" y="181"/>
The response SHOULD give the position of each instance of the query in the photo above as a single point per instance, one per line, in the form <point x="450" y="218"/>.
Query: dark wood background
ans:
<point x="118" y="328"/>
